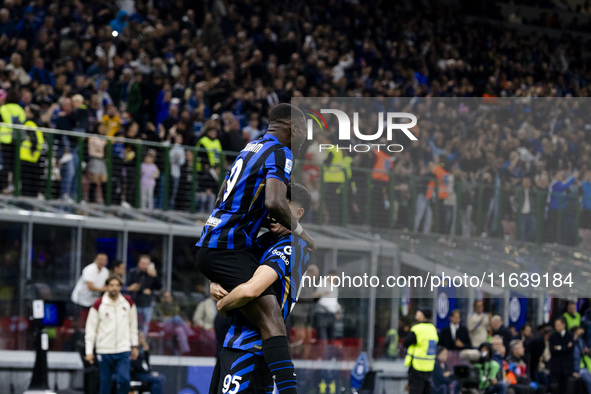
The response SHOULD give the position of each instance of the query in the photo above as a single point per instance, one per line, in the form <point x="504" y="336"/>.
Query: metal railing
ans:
<point x="469" y="209"/>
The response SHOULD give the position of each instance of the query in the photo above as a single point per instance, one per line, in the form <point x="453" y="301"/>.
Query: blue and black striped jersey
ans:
<point x="290" y="266"/>
<point x="235" y="223"/>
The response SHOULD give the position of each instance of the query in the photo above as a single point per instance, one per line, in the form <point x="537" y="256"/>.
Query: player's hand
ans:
<point x="221" y="310"/>
<point x="89" y="358"/>
<point x="217" y="291"/>
<point x="311" y="244"/>
<point x="134" y="353"/>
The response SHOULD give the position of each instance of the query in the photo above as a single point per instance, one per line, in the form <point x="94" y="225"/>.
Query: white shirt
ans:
<point x="330" y="301"/>
<point x="454" y="329"/>
<point x="91" y="273"/>
<point x="526" y="204"/>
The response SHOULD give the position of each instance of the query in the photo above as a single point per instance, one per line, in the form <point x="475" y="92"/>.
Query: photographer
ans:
<point x="489" y="371"/>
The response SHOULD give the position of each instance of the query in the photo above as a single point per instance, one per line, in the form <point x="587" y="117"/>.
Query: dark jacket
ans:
<point x="561" y="349"/>
<point x="146" y="282"/>
<point x="506" y="335"/>
<point x="446" y="340"/>
<point x="534" y="349"/>
<point x="440" y="382"/>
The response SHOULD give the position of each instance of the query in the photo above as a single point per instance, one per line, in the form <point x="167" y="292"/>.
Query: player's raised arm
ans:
<point x="276" y="203"/>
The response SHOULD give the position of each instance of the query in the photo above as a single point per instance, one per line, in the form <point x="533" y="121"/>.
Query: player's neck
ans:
<point x="281" y="137"/>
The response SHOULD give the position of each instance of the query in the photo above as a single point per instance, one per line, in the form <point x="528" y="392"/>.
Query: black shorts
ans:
<point x="228" y="267"/>
<point x="239" y="371"/>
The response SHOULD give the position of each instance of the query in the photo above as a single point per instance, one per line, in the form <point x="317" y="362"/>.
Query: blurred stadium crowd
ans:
<point x="173" y="71"/>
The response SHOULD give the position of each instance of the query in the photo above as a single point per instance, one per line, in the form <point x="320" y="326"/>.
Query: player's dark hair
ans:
<point x="298" y="193"/>
<point x="283" y="112"/>
<point x="113" y="277"/>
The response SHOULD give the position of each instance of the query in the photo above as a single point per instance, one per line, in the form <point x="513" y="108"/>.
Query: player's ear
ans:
<point x="300" y="212"/>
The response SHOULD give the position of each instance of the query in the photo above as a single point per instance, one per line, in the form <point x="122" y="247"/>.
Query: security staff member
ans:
<point x="572" y="317"/>
<point x="32" y="144"/>
<point x="334" y="178"/>
<point x="422" y="350"/>
<point x="11" y="113"/>
<point x="211" y="149"/>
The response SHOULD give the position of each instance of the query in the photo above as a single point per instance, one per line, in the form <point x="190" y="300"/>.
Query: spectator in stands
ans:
<point x="142" y="371"/>
<point x="97" y="167"/>
<point x="558" y="189"/>
<point x="455" y="336"/>
<point x="89" y="286"/>
<point x="142" y="283"/>
<point x="205" y="313"/>
<point x="477" y="324"/>
<point x="68" y="150"/>
<point x="526" y="201"/>
<point x="177" y="161"/>
<point x="168" y="312"/>
<point x="112" y="328"/>
<point x="585" y="220"/>
<point x="424" y="212"/>
<point x="582" y="361"/>
<point x="150" y="173"/>
<point x="17" y="72"/>
<point x="498" y="328"/>
<point x="252" y="130"/>
<point x="231" y="139"/>
<point x="561" y="348"/>
<point x="571" y="316"/>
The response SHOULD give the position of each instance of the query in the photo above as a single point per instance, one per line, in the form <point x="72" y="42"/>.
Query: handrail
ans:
<point x="489" y="201"/>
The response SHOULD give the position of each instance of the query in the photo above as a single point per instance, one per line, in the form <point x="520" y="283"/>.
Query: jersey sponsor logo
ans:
<point x="288" y="166"/>
<point x="213" y="222"/>
<point x="282" y="255"/>
<point x="253" y="147"/>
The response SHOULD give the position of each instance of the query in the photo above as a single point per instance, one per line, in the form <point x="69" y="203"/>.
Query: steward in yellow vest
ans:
<point x="12" y="114"/>
<point x="572" y="317"/>
<point x="213" y="149"/>
<point x="422" y="350"/>
<point x="32" y="145"/>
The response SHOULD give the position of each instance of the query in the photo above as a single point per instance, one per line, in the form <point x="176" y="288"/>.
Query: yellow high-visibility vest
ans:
<point x="572" y="321"/>
<point x="421" y="356"/>
<point x="335" y="172"/>
<point x="14" y="114"/>
<point x="28" y="152"/>
<point x="214" y="151"/>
